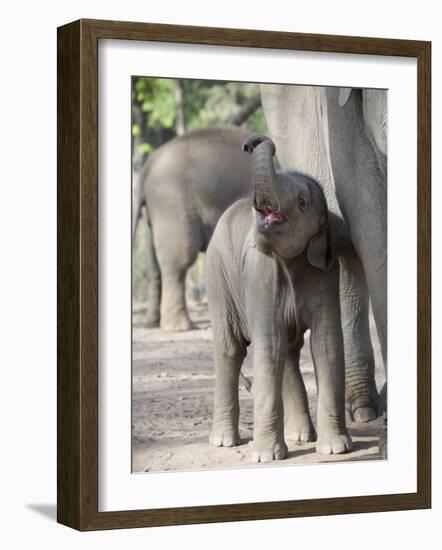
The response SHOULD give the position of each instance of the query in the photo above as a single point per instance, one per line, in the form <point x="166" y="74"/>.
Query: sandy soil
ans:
<point x="173" y="382"/>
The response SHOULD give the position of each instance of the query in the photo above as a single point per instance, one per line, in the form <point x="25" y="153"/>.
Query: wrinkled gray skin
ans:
<point x="338" y="136"/>
<point x="271" y="275"/>
<point x="186" y="185"/>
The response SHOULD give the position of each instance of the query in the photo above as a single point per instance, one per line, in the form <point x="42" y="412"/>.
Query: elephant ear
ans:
<point x="319" y="251"/>
<point x="344" y="96"/>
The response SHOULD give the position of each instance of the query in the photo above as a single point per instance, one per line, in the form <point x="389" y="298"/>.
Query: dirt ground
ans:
<point x="172" y="393"/>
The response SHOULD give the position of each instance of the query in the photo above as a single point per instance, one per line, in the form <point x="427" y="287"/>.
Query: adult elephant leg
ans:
<point x="175" y="252"/>
<point x="377" y="284"/>
<point x="360" y="386"/>
<point x="361" y="188"/>
<point x="154" y="288"/>
<point x="174" y="315"/>
<point x="298" y="425"/>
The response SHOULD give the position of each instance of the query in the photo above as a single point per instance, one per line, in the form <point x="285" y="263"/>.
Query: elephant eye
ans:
<point x="302" y="203"/>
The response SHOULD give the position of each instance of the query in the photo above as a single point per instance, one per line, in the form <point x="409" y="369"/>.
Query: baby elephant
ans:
<point x="271" y="276"/>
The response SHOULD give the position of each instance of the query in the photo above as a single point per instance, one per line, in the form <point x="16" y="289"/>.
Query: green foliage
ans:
<point x="217" y="102"/>
<point x="257" y="122"/>
<point x="145" y="148"/>
<point x="157" y="98"/>
<point x="206" y="103"/>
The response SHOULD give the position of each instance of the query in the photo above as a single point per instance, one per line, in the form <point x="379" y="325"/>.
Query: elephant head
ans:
<point x="291" y="211"/>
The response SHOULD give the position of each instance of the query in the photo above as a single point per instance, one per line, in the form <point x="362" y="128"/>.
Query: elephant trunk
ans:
<point x="265" y="180"/>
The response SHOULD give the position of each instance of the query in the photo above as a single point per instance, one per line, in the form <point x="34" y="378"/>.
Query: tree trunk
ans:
<point x="180" y="98"/>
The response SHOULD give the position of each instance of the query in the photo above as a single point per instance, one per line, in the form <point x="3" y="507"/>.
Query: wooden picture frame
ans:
<point x="77" y="224"/>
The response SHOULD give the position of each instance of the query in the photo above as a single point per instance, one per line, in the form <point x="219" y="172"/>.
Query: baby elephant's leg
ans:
<point x="298" y="425"/>
<point x="328" y="358"/>
<point x="268" y="416"/>
<point x="228" y="361"/>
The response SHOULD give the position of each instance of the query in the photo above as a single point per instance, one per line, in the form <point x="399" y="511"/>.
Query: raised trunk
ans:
<point x="265" y="180"/>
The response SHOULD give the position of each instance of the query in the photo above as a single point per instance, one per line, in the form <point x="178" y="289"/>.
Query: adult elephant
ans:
<point x="338" y="136"/>
<point x="185" y="186"/>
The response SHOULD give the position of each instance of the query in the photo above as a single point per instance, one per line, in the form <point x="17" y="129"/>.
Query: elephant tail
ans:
<point x="139" y="199"/>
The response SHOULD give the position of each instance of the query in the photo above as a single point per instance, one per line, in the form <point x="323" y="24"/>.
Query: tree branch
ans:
<point x="246" y="110"/>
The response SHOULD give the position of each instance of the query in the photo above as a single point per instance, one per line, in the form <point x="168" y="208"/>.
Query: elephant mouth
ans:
<point x="270" y="217"/>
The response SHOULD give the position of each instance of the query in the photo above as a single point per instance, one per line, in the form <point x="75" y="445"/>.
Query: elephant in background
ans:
<point x="271" y="275"/>
<point x="185" y="186"/>
<point x="338" y="136"/>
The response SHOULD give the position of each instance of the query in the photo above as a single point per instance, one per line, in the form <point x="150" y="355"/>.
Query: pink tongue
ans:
<point x="271" y="216"/>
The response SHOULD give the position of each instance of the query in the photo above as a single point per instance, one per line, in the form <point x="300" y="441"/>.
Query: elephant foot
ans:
<point x="152" y="322"/>
<point x="179" y="324"/>
<point x="266" y="453"/>
<point x="224" y="437"/>
<point x="364" y="414"/>
<point x="333" y="444"/>
<point x="300" y="431"/>
<point x="362" y="410"/>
